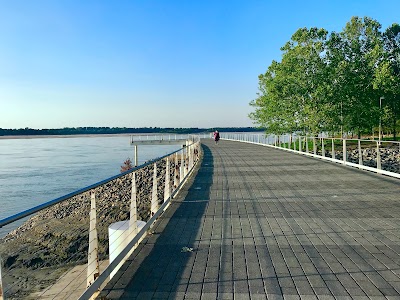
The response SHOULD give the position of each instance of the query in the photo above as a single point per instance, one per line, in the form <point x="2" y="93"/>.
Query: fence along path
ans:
<point x="262" y="223"/>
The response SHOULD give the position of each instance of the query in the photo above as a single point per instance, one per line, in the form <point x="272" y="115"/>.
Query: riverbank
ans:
<point x="56" y="239"/>
<point x="390" y="157"/>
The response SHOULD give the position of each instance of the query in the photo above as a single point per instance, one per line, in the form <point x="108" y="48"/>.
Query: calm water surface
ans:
<point x="34" y="171"/>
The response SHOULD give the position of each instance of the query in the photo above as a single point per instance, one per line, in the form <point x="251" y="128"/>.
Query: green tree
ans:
<point x="387" y="76"/>
<point x="352" y="65"/>
<point x="332" y="83"/>
<point x="290" y="97"/>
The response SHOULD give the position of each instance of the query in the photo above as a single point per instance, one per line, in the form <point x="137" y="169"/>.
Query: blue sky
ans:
<point x="150" y="63"/>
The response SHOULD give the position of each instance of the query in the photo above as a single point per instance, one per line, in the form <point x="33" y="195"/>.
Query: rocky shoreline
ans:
<point x="390" y="157"/>
<point x="56" y="238"/>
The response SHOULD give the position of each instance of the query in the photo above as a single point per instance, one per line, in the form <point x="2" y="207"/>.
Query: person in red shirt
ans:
<point x="216" y="136"/>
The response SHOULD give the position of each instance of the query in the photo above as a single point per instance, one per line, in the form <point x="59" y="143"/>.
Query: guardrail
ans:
<point x="70" y="246"/>
<point x="160" y="138"/>
<point x="379" y="157"/>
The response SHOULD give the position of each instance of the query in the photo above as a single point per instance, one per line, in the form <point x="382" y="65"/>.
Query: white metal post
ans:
<point x="182" y="166"/>
<point x="360" y="158"/>
<point x="1" y="282"/>
<point x="344" y="152"/>
<point x="378" y="156"/>
<point x="333" y="148"/>
<point x="193" y="155"/>
<point x="323" y="147"/>
<point x="185" y="166"/>
<point x="154" y="197"/>
<point x="191" y="160"/>
<point x="136" y="156"/>
<point x="306" y="144"/>
<point x="300" y="146"/>
<point x="167" y="189"/>
<point x="93" y="257"/>
<point x="294" y="143"/>
<point x="189" y="154"/>
<point x="133" y="229"/>
<point x="314" y="146"/>
<point x="380" y="119"/>
<point x="176" y="173"/>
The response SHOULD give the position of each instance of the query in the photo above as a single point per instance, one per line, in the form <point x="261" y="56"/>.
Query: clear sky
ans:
<point x="143" y="63"/>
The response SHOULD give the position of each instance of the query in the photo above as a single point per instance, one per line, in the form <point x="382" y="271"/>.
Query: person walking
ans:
<point x="216" y="136"/>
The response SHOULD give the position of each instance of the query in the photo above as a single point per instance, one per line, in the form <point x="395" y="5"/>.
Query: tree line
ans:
<point x="336" y="82"/>
<point x="118" y="130"/>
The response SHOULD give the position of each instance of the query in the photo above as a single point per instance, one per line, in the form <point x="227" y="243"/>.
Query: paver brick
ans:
<point x="268" y="224"/>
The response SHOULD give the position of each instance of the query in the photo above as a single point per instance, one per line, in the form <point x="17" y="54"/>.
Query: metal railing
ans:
<point x="160" y="138"/>
<point x="379" y="157"/>
<point x="70" y="246"/>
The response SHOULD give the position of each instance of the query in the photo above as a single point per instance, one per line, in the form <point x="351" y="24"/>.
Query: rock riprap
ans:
<point x="57" y="238"/>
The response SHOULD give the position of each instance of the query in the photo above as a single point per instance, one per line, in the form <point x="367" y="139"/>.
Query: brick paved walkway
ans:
<point x="268" y="224"/>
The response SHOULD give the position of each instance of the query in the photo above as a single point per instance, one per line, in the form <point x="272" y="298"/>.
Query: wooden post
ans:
<point x="167" y="188"/>
<point x="360" y="158"/>
<point x="333" y="149"/>
<point x="93" y="257"/>
<point x="154" y="196"/>
<point x="378" y="157"/>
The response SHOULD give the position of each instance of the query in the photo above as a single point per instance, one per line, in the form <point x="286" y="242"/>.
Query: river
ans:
<point x="36" y="170"/>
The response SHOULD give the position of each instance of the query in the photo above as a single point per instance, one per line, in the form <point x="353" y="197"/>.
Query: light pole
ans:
<point x="341" y="118"/>
<point x="380" y="118"/>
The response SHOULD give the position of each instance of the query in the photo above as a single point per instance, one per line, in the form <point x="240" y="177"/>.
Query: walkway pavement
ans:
<point x="268" y="224"/>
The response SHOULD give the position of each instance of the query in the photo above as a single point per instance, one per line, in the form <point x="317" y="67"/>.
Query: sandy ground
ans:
<point x="70" y="285"/>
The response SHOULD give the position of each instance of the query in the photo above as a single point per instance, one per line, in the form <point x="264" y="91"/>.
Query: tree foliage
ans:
<point x="333" y="82"/>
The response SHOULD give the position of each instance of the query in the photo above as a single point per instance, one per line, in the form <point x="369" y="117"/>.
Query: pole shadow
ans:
<point x="162" y="264"/>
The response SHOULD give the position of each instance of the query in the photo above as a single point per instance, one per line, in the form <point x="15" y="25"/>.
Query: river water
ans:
<point x="36" y="170"/>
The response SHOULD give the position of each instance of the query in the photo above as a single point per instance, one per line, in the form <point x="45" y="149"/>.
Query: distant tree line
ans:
<point x="346" y="81"/>
<point x="119" y="130"/>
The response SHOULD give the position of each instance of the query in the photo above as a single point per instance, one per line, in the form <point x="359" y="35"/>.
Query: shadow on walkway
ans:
<point x="163" y="263"/>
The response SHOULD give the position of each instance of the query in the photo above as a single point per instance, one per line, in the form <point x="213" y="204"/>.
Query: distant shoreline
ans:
<point x="29" y="133"/>
<point x="16" y="137"/>
<point x="105" y="134"/>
